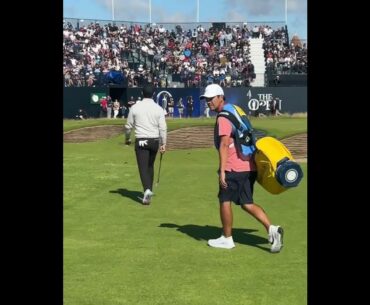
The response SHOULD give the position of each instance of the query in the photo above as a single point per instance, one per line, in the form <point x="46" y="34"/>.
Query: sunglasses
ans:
<point x="209" y="99"/>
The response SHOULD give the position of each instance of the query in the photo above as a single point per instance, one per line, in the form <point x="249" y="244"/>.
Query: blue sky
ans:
<point x="186" y="11"/>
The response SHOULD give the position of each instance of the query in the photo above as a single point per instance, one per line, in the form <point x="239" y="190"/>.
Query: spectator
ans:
<point x="189" y="106"/>
<point x="116" y="106"/>
<point x="206" y="110"/>
<point x="109" y="107"/>
<point x="81" y="115"/>
<point x="180" y="107"/>
<point x="103" y="107"/>
<point x="171" y="104"/>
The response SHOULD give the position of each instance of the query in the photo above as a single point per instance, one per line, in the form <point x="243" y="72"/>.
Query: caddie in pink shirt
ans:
<point x="236" y="178"/>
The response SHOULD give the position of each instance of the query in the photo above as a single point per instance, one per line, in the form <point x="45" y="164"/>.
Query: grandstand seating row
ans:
<point x="235" y="55"/>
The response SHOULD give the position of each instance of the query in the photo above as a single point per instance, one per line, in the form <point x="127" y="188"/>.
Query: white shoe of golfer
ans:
<point x="222" y="242"/>
<point x="276" y="238"/>
<point x="147" y="196"/>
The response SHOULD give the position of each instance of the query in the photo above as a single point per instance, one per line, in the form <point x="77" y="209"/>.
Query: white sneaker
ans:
<point x="222" y="242"/>
<point x="270" y="238"/>
<point x="276" y="238"/>
<point x="147" y="196"/>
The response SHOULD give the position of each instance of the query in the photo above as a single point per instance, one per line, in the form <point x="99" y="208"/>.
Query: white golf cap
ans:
<point x="212" y="90"/>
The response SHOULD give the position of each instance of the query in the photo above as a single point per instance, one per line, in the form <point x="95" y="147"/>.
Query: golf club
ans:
<point x="159" y="170"/>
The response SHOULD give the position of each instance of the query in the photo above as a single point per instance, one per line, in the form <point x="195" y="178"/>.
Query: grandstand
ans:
<point x="117" y="58"/>
<point x="178" y="55"/>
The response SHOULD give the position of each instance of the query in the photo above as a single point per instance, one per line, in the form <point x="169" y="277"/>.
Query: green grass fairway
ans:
<point x="117" y="251"/>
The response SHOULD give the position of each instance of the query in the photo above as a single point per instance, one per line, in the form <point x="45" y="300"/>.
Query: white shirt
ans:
<point x="148" y="119"/>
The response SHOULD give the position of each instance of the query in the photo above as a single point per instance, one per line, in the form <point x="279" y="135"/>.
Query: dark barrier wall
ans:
<point x="292" y="99"/>
<point x="287" y="80"/>
<point x="76" y="98"/>
<point x="251" y="99"/>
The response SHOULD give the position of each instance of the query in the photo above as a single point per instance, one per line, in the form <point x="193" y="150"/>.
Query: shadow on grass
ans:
<point x="134" y="195"/>
<point x="241" y="236"/>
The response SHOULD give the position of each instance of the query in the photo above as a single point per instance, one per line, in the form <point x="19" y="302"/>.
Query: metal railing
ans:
<point x="77" y="23"/>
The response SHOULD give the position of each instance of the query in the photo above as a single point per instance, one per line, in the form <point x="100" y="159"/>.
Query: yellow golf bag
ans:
<point x="276" y="169"/>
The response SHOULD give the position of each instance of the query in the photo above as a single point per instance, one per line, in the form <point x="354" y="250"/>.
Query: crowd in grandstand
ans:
<point x="95" y="55"/>
<point x="281" y="59"/>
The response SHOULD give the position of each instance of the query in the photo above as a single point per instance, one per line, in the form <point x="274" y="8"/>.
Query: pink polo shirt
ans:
<point x="233" y="163"/>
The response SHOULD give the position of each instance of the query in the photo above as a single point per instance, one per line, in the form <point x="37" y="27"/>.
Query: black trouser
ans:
<point x="146" y="150"/>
